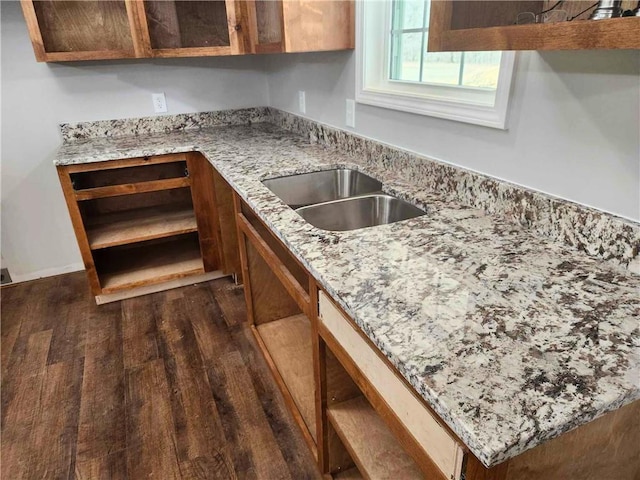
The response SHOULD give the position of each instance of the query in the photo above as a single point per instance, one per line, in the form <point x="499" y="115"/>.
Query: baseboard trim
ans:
<point x="47" y="272"/>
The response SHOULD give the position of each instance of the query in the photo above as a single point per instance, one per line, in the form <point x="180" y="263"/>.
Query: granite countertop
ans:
<point x="511" y="338"/>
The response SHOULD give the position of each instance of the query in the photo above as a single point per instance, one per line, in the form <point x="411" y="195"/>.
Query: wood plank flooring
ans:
<point x="165" y="386"/>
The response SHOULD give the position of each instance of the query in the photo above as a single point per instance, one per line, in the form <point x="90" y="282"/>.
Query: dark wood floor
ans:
<point x="165" y="386"/>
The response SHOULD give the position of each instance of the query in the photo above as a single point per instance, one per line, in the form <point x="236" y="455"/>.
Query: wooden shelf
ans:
<point x="148" y="263"/>
<point x="139" y="225"/>
<point x="132" y="188"/>
<point x="288" y="342"/>
<point x="369" y="441"/>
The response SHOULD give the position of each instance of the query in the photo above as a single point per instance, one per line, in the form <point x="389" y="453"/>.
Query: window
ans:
<point x="394" y="69"/>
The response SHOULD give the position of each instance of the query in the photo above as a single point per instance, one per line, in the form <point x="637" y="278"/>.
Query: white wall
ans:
<point x="37" y="238"/>
<point x="574" y="127"/>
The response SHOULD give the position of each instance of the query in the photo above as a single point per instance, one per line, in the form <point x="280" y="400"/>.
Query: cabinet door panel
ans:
<point x="187" y="24"/>
<point x="79" y="30"/>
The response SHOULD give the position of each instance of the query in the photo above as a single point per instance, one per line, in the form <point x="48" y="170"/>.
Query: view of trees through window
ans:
<point x="411" y="62"/>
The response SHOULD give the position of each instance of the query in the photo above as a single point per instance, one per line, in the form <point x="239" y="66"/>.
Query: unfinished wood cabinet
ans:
<point x="300" y="25"/>
<point x="384" y="418"/>
<point x="80" y="30"/>
<point x="146" y="224"/>
<point x="457" y="25"/>
<point x="278" y="295"/>
<point x="190" y="28"/>
<point x="109" y="29"/>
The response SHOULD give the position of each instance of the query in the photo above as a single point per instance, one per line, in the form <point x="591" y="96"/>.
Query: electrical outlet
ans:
<point x="159" y="102"/>
<point x="302" y="103"/>
<point x="350" y="119"/>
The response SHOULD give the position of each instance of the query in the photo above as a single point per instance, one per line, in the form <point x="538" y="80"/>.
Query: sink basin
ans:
<point x="318" y="187"/>
<point x="359" y="212"/>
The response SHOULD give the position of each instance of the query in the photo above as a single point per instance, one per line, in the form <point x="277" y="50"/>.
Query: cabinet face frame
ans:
<point x="35" y="34"/>
<point x="254" y="34"/>
<point x="614" y="33"/>
<point x="237" y="41"/>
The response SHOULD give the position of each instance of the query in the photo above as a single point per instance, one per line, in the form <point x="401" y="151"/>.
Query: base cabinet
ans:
<point x="359" y="416"/>
<point x="148" y="224"/>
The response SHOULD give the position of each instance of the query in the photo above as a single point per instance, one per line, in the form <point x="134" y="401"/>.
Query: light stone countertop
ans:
<point x="512" y="339"/>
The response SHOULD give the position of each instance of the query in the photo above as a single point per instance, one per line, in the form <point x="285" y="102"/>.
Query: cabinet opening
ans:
<point x="114" y="221"/>
<point x="285" y="334"/>
<point x="129" y="175"/>
<point x="149" y="262"/>
<point x="276" y="247"/>
<point x="184" y="24"/>
<point x="77" y="26"/>
<point x="367" y="439"/>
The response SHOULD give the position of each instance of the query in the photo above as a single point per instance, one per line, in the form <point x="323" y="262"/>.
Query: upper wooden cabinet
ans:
<point x="190" y="28"/>
<point x="109" y="29"/>
<point x="457" y="25"/>
<point x="80" y="30"/>
<point x="300" y="25"/>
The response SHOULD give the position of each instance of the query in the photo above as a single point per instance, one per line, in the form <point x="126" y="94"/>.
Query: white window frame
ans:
<point x="373" y="87"/>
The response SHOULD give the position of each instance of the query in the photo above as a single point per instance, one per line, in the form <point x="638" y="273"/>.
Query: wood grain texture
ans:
<point x="279" y="264"/>
<point x="152" y="387"/>
<point x="276" y="246"/>
<point x="289" y="343"/>
<point x="268" y="299"/>
<point x="608" y="447"/>
<point x="72" y="26"/>
<point x="148" y="263"/>
<point x="79" y="229"/>
<point x="230" y="253"/>
<point x="373" y="447"/>
<point x="615" y="33"/>
<point x="206" y="210"/>
<point x="139" y="225"/>
<point x="131" y="188"/>
<point x="316" y="25"/>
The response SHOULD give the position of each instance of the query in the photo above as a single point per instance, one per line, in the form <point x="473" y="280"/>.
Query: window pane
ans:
<point x="481" y="69"/>
<point x="405" y="56"/>
<point x="441" y="67"/>
<point x="408" y="14"/>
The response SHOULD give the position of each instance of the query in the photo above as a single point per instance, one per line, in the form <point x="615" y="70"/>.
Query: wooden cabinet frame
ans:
<point x="190" y="212"/>
<point x="42" y="55"/>
<point x="303" y="26"/>
<point x="615" y="33"/>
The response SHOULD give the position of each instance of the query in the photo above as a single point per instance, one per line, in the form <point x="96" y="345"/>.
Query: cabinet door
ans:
<point x="188" y="28"/>
<point x="81" y="30"/>
<point x="266" y="26"/>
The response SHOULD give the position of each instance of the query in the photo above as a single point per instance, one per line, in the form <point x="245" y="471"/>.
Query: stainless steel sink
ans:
<point x="318" y="187"/>
<point x="359" y="212"/>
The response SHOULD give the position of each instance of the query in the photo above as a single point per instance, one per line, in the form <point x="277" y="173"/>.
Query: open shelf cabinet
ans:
<point x="145" y="222"/>
<point x="488" y="25"/>
<point x="279" y="298"/>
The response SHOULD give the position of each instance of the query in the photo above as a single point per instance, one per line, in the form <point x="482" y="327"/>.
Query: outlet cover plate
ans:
<point x="350" y="119"/>
<point x="302" y="102"/>
<point x="159" y="102"/>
